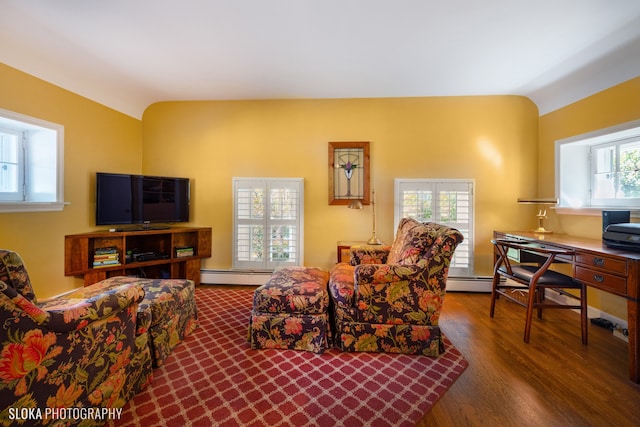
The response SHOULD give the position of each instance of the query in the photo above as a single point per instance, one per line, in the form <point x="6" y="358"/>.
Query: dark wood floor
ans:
<point x="552" y="381"/>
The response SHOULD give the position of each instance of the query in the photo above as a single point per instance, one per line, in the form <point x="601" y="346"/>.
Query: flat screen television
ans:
<point x="123" y="199"/>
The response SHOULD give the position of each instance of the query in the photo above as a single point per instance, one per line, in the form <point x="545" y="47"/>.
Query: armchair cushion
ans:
<point x="413" y="238"/>
<point x="73" y="313"/>
<point x="387" y="293"/>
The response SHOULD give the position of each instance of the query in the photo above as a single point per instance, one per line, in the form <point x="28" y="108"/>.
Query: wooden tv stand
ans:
<point x="144" y="253"/>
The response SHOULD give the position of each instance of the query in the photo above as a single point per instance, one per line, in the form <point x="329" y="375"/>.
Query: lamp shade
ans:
<point x="538" y="201"/>
<point x="355" y="204"/>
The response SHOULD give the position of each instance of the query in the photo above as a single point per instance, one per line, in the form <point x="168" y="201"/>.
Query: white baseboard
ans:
<point x="257" y="278"/>
<point x="469" y="284"/>
<point x="591" y="311"/>
<point x="233" y="277"/>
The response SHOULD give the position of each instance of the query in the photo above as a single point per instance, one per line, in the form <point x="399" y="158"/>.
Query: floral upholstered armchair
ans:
<point x="67" y="352"/>
<point x="393" y="305"/>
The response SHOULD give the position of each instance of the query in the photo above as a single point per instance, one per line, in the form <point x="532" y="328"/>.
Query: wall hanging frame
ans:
<point x="349" y="173"/>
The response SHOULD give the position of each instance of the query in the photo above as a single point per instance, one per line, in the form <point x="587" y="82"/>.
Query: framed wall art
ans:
<point x="348" y="172"/>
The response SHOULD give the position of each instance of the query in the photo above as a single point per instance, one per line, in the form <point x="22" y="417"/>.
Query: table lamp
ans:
<point x="542" y="213"/>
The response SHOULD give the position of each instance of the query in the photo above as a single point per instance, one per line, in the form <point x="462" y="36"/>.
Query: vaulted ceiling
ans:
<point x="128" y="54"/>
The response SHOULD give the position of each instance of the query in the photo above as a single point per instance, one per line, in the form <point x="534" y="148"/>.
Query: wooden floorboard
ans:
<point x="552" y="381"/>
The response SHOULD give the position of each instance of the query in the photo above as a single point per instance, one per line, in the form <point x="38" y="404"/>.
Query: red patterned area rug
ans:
<point x="214" y="378"/>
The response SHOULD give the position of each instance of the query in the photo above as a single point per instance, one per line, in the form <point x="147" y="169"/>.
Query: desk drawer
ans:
<point x="612" y="265"/>
<point x="604" y="281"/>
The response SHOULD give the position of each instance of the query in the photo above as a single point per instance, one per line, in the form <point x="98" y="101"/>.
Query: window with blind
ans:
<point x="31" y="164"/>
<point x="268" y="222"/>
<point x="448" y="202"/>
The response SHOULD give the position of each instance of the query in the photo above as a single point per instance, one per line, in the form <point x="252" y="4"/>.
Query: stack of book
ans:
<point x="184" y="251"/>
<point x="106" y="257"/>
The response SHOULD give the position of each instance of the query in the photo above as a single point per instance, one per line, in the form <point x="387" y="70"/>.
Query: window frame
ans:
<point x="459" y="267"/>
<point x="266" y="222"/>
<point x="575" y="170"/>
<point x="617" y="146"/>
<point x="22" y="123"/>
<point x="6" y="196"/>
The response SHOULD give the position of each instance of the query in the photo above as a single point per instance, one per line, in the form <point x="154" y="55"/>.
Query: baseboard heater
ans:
<point x="257" y="278"/>
<point x="469" y="284"/>
<point x="234" y="277"/>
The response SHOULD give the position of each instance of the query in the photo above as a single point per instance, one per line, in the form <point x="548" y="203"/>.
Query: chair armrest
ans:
<point x="380" y="274"/>
<point x="369" y="254"/>
<point x="67" y="313"/>
<point x="17" y="302"/>
<point x="396" y="293"/>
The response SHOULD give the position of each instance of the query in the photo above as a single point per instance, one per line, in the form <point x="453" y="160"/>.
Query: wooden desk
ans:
<point x="607" y="269"/>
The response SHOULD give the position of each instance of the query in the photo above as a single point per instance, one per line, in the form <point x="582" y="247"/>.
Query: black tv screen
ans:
<point x="140" y="199"/>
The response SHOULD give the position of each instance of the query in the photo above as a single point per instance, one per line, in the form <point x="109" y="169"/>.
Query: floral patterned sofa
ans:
<point x="393" y="302"/>
<point x="68" y="352"/>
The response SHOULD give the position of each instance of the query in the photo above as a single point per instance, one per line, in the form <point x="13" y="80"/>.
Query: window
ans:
<point x="267" y="222"/>
<point x="447" y="202"/>
<point x="31" y="164"/>
<point x="600" y="169"/>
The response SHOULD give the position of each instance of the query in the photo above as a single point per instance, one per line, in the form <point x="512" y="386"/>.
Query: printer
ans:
<point x="624" y="236"/>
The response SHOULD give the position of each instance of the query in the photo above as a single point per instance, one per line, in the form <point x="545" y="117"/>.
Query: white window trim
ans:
<point x="29" y="206"/>
<point x="600" y="136"/>
<point x="469" y="234"/>
<point x="266" y="265"/>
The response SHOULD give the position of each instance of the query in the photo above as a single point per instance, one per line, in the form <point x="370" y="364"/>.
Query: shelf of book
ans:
<point x="169" y="253"/>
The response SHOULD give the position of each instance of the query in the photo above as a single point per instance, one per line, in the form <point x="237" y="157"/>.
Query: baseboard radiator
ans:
<point x="234" y="277"/>
<point x="469" y="284"/>
<point x="257" y="278"/>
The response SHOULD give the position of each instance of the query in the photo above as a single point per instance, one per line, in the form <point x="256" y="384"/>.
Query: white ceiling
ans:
<point x="128" y="54"/>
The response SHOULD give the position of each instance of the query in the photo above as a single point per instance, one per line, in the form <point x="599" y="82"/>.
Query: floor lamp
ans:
<point x="357" y="204"/>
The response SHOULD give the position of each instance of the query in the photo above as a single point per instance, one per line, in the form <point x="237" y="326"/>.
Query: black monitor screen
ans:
<point x="138" y="199"/>
<point x="113" y="199"/>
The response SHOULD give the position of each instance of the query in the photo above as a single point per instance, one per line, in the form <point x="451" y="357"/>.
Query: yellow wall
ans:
<point x="491" y="139"/>
<point x="613" y="106"/>
<point x="96" y="138"/>
<point x="497" y="140"/>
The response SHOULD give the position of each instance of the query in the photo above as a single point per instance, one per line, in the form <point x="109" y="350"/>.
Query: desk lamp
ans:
<point x="542" y="213"/>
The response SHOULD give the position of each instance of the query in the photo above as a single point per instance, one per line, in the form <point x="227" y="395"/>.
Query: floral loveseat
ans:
<point x="67" y="352"/>
<point x="393" y="303"/>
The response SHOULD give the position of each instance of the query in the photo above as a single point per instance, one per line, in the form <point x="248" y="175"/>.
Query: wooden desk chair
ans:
<point x="528" y="283"/>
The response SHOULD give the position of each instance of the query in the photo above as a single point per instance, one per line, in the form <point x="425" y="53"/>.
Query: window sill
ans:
<point x="560" y="210"/>
<point x="8" y="207"/>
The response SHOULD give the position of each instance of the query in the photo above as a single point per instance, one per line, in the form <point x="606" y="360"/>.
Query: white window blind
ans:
<point x="268" y="222"/>
<point x="447" y="202"/>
